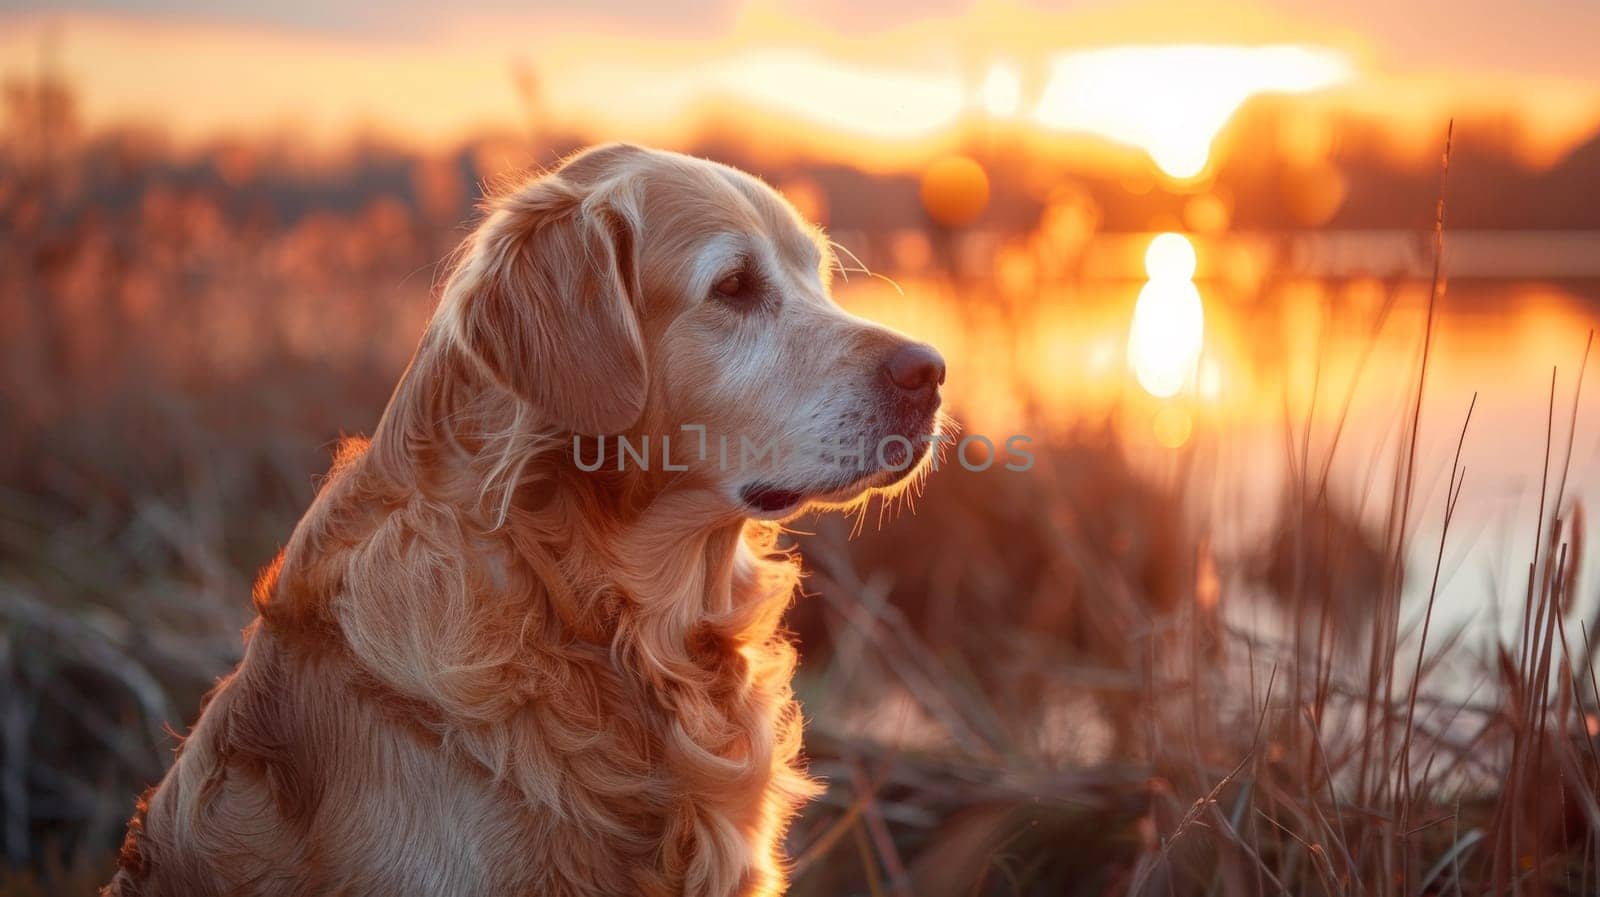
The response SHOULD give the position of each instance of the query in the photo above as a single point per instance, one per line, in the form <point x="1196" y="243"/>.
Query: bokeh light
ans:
<point x="955" y="191"/>
<point x="1172" y="427"/>
<point x="1170" y="257"/>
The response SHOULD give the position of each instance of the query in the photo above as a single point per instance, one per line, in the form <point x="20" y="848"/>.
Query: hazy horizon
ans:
<point x="1157" y="77"/>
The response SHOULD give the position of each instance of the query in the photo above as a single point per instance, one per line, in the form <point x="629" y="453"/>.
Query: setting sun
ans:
<point x="1172" y="101"/>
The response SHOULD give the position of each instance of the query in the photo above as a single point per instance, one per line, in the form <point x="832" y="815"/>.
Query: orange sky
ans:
<point x="894" y="82"/>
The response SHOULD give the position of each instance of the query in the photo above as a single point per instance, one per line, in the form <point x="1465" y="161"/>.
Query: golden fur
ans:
<point x="480" y="670"/>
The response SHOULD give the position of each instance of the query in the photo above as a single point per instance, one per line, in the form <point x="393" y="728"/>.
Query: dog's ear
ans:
<point x="546" y="301"/>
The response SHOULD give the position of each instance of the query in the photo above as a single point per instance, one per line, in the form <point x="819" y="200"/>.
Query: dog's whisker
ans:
<point x="862" y="268"/>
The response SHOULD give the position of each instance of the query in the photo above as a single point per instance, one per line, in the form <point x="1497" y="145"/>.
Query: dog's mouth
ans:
<point x="894" y="460"/>
<point x="770" y="499"/>
<point x="766" y="500"/>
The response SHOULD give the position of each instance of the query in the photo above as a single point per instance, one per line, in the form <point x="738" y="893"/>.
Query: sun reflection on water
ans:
<point x="1168" y="329"/>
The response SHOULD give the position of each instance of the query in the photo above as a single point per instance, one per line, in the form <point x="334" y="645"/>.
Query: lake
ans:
<point x="1307" y="356"/>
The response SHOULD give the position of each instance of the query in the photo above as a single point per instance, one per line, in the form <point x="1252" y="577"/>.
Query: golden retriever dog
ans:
<point x="526" y="640"/>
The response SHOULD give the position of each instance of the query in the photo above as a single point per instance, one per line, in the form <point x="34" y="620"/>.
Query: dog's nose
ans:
<point x="916" y="369"/>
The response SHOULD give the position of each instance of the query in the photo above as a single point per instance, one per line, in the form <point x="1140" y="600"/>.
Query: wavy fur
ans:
<point x="478" y="670"/>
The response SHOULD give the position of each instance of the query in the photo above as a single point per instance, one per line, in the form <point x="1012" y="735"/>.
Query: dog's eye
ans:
<point x="742" y="288"/>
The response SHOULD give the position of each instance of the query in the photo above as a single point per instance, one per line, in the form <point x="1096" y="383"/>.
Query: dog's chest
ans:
<point x="624" y="795"/>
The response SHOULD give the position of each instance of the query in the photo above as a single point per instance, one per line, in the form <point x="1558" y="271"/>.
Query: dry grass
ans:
<point x="1035" y="684"/>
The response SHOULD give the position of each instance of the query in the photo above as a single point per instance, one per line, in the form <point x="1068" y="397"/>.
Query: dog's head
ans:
<point x="674" y="301"/>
